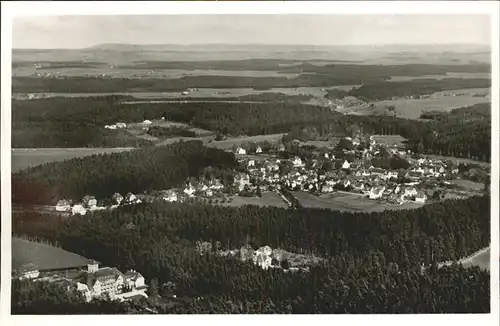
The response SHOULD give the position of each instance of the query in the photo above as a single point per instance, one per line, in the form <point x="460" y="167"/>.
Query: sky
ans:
<point x="84" y="31"/>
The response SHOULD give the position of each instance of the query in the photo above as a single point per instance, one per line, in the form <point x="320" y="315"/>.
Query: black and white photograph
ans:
<point x="252" y="164"/>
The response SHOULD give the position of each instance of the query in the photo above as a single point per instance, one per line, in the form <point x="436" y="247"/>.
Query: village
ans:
<point x="344" y="166"/>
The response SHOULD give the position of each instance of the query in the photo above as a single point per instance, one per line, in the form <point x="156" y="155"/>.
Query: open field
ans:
<point x="269" y="198"/>
<point x="390" y="140"/>
<point x="44" y="256"/>
<point x="23" y="158"/>
<point x="343" y="201"/>
<point x="458" y="160"/>
<point x="448" y="75"/>
<point x="412" y="109"/>
<point x="467" y="184"/>
<point x="201" y="92"/>
<point x="480" y="259"/>
<point x="228" y="143"/>
<point x="118" y="72"/>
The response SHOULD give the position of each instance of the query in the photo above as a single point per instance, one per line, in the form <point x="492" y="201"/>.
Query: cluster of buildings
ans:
<point x="90" y="203"/>
<point x="355" y="174"/>
<point x="92" y="281"/>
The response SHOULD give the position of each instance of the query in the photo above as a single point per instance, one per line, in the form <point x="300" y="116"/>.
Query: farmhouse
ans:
<point x="78" y="209"/>
<point x="63" y="206"/>
<point x="241" y="151"/>
<point x="421" y="197"/>
<point x="28" y="271"/>
<point x="258" y="150"/>
<point x="117" y="198"/>
<point x="170" y="196"/>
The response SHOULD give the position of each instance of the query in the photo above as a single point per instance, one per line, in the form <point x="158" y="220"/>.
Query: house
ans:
<point x="410" y="192"/>
<point x="78" y="209"/>
<point x="117" y="198"/>
<point x="281" y="148"/>
<point x="262" y="257"/>
<point x="250" y="164"/>
<point x="89" y="201"/>
<point x="241" y="151"/>
<point x="170" y="196"/>
<point x="63" y="206"/>
<point x="121" y="125"/>
<point x="130" y="198"/>
<point x="189" y="190"/>
<point x="376" y="192"/>
<point x="134" y="280"/>
<point x="297" y="162"/>
<point x="215" y="185"/>
<point x="147" y="122"/>
<point x="112" y="127"/>
<point x="346" y="165"/>
<point x="28" y="271"/>
<point x="98" y="282"/>
<point x="326" y="188"/>
<point x="258" y="150"/>
<point x="209" y="193"/>
<point x="420" y="197"/>
<point x="326" y="155"/>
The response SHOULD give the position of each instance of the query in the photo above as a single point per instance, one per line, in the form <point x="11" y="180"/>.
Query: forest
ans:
<point x="384" y="262"/>
<point x="66" y="122"/>
<point x="386" y="90"/>
<point x="152" y="168"/>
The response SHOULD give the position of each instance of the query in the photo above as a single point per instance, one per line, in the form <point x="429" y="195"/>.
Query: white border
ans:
<point x="14" y="9"/>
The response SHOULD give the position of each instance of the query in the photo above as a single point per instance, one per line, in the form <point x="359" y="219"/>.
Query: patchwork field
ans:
<point x="470" y="75"/>
<point x="269" y="198"/>
<point x="343" y="201"/>
<point x="412" y="109"/>
<point x="43" y="256"/>
<point x="23" y="158"/>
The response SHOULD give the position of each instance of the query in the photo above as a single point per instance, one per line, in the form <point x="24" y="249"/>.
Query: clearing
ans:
<point x="230" y="142"/>
<point x="390" y="140"/>
<point x="269" y="198"/>
<point x="412" y="109"/>
<point x="44" y="256"/>
<point x="344" y="201"/>
<point x="23" y="158"/>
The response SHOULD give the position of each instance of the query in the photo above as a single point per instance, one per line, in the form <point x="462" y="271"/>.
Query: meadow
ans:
<point x="43" y="256"/>
<point x="23" y="158"/>
<point x="343" y="201"/>
<point x="269" y="198"/>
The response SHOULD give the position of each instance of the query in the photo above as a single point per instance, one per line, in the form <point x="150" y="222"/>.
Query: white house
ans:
<point x="410" y="192"/>
<point x="262" y="257"/>
<point x="117" y="198"/>
<point x="326" y="188"/>
<point x="170" y="196"/>
<point x="147" y="122"/>
<point x="297" y="162"/>
<point x="130" y="198"/>
<point x="112" y="127"/>
<point x="258" y="150"/>
<point x="189" y="190"/>
<point x="376" y="192"/>
<point x="78" y="209"/>
<point x="251" y="163"/>
<point x="241" y="151"/>
<point x="63" y="206"/>
<point x="28" y="271"/>
<point x="420" y="198"/>
<point x="346" y="165"/>
<point x="121" y="125"/>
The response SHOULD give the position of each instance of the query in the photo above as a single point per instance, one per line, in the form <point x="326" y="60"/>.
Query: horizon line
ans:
<point x="258" y="44"/>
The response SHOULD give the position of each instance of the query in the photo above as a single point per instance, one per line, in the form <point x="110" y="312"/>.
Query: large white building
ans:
<point x="109" y="281"/>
